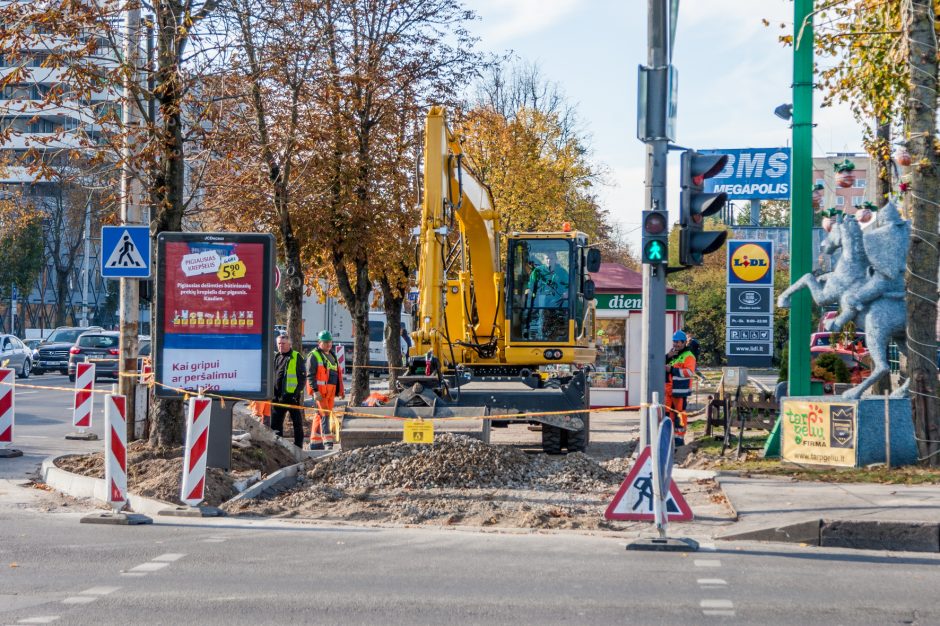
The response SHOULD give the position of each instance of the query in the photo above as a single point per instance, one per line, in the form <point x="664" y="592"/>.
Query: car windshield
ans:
<point x="97" y="341"/>
<point x="65" y="336"/>
<point x="376" y="331"/>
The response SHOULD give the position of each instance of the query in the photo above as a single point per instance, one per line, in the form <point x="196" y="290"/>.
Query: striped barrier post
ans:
<point x="7" y="410"/>
<point x="84" y="401"/>
<point x="115" y="450"/>
<point x="197" y="448"/>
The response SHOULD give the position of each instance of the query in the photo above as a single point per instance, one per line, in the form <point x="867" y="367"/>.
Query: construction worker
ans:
<point x="680" y="368"/>
<point x="325" y="383"/>
<point x="289" y="375"/>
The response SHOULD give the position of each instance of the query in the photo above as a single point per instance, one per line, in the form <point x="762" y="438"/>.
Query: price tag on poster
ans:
<point x="214" y="304"/>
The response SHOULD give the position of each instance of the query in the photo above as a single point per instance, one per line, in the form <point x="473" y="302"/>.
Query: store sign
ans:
<point x="749" y="303"/>
<point x="214" y="307"/>
<point x="628" y="302"/>
<point x="823" y="433"/>
<point x="752" y="174"/>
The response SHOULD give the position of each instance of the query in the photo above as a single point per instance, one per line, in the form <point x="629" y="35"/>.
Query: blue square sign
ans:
<point x="125" y="251"/>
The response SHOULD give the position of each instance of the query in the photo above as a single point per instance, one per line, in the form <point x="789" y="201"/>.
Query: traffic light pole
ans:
<point x="801" y="210"/>
<point x="652" y="371"/>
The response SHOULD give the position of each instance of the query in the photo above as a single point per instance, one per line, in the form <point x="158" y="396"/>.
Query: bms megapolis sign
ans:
<point x="752" y="174"/>
<point x="215" y="300"/>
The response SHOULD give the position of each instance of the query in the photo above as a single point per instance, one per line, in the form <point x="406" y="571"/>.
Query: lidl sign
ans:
<point x="750" y="262"/>
<point x="752" y="174"/>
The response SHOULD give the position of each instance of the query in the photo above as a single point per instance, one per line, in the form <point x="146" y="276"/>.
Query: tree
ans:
<point x="21" y="247"/>
<point x="773" y="213"/>
<point x="920" y="38"/>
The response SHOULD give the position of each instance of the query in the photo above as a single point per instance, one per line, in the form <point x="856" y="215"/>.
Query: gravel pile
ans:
<point x="457" y="461"/>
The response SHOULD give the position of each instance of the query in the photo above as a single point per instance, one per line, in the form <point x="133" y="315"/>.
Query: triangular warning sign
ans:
<point x="634" y="499"/>
<point x="125" y="253"/>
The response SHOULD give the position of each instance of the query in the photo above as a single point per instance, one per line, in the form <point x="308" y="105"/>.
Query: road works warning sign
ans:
<point x="634" y="499"/>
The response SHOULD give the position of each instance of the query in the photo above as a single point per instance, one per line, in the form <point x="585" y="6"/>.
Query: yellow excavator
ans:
<point x="488" y="331"/>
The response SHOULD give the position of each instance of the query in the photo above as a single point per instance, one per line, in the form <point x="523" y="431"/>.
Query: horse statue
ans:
<point x="868" y="283"/>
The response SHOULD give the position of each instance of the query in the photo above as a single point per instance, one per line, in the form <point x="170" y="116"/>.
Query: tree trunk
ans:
<point x="166" y="415"/>
<point x="922" y="258"/>
<point x="357" y="301"/>
<point x="392" y="303"/>
<point x="882" y="156"/>
<point x="62" y="294"/>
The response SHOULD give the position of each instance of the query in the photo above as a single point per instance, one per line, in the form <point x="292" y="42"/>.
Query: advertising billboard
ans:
<point x="749" y="324"/>
<point x="821" y="433"/>
<point x="215" y="301"/>
<point x="752" y="174"/>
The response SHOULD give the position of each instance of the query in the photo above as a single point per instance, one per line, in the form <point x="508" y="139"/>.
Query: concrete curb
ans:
<point x="283" y="475"/>
<point x="856" y="534"/>
<point x="79" y="486"/>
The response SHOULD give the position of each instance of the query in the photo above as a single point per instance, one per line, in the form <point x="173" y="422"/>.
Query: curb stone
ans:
<point x="277" y="479"/>
<point x="855" y="534"/>
<point x="79" y="486"/>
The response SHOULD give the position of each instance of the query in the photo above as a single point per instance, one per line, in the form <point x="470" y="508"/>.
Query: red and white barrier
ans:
<point x="341" y="359"/>
<point x="7" y="408"/>
<point x="84" y="396"/>
<point x="197" y="444"/>
<point x="146" y="373"/>
<point x="115" y="450"/>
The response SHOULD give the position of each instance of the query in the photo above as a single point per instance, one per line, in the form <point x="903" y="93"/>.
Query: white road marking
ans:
<point x="31" y="437"/>
<point x="168" y="557"/>
<point x="716" y="604"/>
<point x="40" y="619"/>
<point x="712" y="581"/>
<point x="147" y="567"/>
<point x="133" y="573"/>
<point x="99" y="591"/>
<point x="707" y="563"/>
<point x="213" y="540"/>
<point x="79" y="599"/>
<point x="724" y="613"/>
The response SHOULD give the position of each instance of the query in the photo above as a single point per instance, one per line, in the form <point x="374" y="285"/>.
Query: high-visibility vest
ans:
<point x="325" y="367"/>
<point x="290" y="384"/>
<point x="681" y="370"/>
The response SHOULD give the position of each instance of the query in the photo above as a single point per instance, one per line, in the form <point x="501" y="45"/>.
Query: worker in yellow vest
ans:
<point x="325" y="383"/>
<point x="289" y="375"/>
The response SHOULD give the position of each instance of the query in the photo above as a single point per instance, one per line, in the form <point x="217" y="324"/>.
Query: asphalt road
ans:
<point x="43" y="418"/>
<point x="232" y="571"/>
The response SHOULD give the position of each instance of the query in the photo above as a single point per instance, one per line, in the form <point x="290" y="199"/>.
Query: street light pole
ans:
<point x="801" y="209"/>
<point x="130" y="214"/>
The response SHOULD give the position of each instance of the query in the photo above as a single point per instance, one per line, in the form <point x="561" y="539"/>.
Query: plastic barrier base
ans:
<point x="120" y="519"/>
<point x="82" y="436"/>
<point x="10" y="453"/>
<point x="668" y="544"/>
<point x="193" y="511"/>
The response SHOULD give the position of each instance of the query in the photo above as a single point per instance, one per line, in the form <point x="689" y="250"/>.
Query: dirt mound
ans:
<point x="157" y="473"/>
<point x="456" y="461"/>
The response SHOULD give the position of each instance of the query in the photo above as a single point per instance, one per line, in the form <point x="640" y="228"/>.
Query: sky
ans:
<point x="732" y="70"/>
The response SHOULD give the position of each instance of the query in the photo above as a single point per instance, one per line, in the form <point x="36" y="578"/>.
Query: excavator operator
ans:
<point x="547" y="289"/>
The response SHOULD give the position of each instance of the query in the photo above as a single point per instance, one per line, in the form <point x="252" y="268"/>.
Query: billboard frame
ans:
<point x="162" y="389"/>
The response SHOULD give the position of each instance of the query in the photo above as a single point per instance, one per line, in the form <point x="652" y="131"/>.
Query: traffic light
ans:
<point x="655" y="237"/>
<point x="694" y="241"/>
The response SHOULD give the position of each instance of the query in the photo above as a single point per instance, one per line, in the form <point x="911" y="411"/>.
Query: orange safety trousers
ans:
<point x="679" y="418"/>
<point x="321" y="431"/>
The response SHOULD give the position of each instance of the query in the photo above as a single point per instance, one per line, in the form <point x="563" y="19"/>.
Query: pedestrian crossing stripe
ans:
<point x="125" y="254"/>
<point x="634" y="499"/>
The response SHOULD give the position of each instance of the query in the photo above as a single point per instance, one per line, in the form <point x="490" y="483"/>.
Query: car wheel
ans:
<point x="27" y="369"/>
<point x="71" y="378"/>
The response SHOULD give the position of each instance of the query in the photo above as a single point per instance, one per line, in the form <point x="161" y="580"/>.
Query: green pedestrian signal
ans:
<point x="654" y="252"/>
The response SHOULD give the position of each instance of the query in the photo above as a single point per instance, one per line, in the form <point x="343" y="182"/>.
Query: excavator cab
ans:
<point x="548" y="288"/>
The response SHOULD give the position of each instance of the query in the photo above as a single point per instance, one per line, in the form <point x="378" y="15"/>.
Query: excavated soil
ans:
<point x="157" y="473"/>
<point x="462" y="481"/>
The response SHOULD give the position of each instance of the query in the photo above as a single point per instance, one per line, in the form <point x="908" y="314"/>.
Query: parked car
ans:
<point x="100" y="347"/>
<point x="853" y="352"/>
<point x="33" y="345"/>
<point x="54" y="350"/>
<point x="16" y="355"/>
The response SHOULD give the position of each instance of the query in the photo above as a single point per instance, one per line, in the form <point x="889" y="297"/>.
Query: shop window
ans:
<point x="611" y="364"/>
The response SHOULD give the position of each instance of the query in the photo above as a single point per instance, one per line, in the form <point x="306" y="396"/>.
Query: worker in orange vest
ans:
<point x="680" y="368"/>
<point x="325" y="383"/>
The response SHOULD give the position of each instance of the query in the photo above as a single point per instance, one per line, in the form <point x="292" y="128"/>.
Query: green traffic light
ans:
<point x="654" y="251"/>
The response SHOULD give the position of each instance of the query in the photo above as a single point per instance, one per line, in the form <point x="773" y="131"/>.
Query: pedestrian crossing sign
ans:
<point x="125" y="251"/>
<point x="634" y="499"/>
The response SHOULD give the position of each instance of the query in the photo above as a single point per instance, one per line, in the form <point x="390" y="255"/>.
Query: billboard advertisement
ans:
<point x="822" y="433"/>
<point x="214" y="314"/>
<point x="749" y="325"/>
<point x="752" y="174"/>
